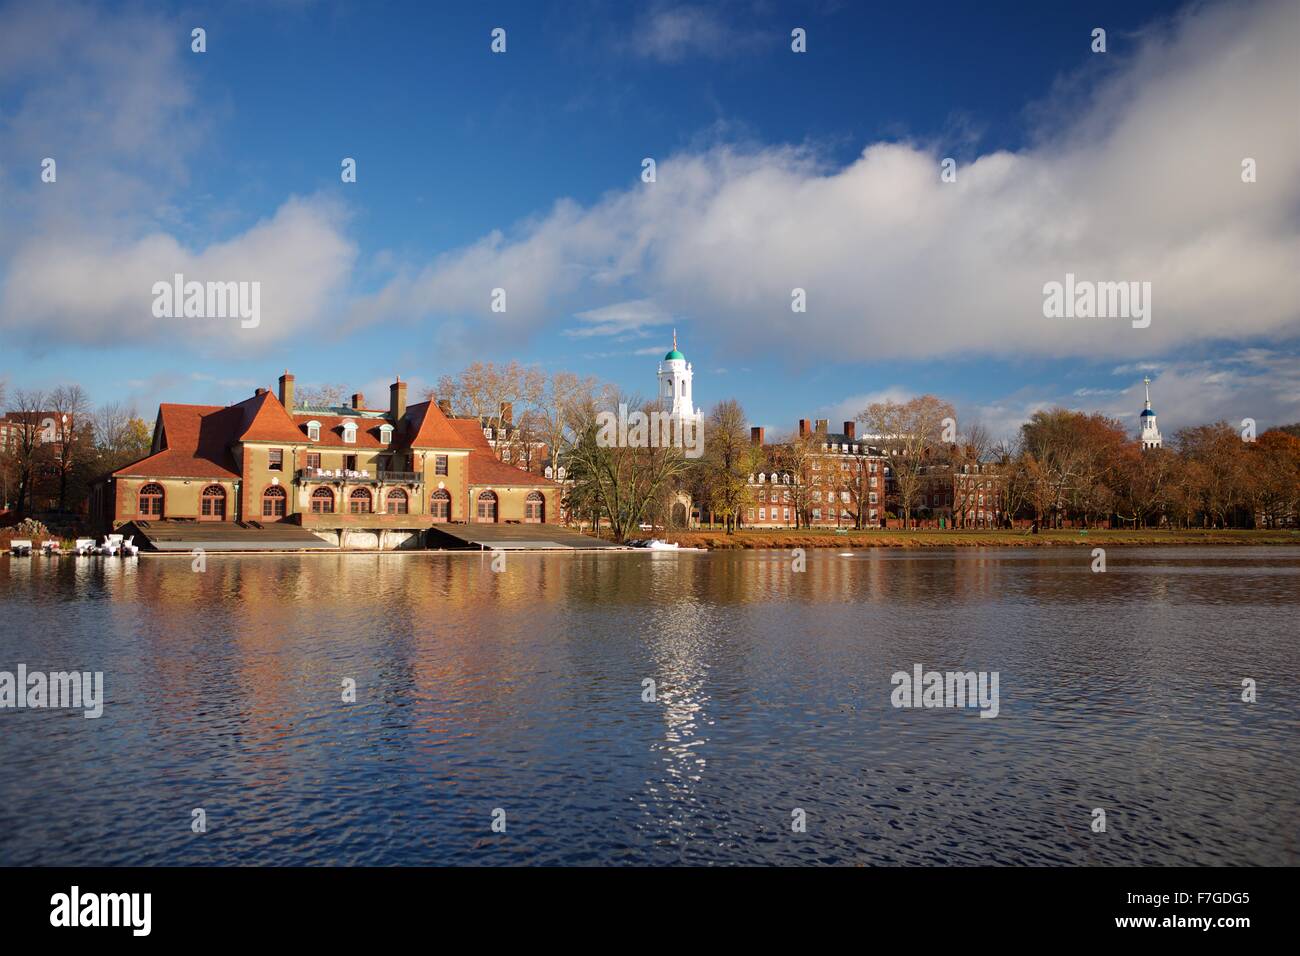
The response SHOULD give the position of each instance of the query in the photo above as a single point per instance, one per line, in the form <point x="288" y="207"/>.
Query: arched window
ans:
<point x="322" y="502"/>
<point x="397" y="502"/>
<point x="350" y="432"/>
<point x="274" y="502"/>
<point x="212" y="503"/>
<point x="386" y="434"/>
<point x="535" y="508"/>
<point x="487" y="506"/>
<point x="359" y="502"/>
<point x="440" y="506"/>
<point x="151" y="501"/>
<point x="313" y="431"/>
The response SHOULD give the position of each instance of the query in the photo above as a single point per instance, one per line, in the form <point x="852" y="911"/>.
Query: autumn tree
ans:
<point x="729" y="459"/>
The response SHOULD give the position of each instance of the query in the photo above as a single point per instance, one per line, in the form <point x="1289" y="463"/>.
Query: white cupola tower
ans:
<point x="1150" y="434"/>
<point x="675" y="383"/>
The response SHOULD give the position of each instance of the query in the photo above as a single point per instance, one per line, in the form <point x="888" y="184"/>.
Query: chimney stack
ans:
<point x="259" y="391"/>
<point x="358" y="400"/>
<point x="848" y="430"/>
<point x="397" y="400"/>
<point x="444" y="406"/>
<point x="823" y="425"/>
<point x="803" y="428"/>
<point x="286" y="391"/>
<point x="756" y="436"/>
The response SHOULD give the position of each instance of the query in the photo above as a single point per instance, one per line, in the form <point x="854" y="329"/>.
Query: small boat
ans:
<point x="21" y="547"/>
<point x="84" y="547"/>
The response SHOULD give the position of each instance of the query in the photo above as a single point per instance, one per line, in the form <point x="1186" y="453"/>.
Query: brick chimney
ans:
<point x="848" y="430"/>
<point x="286" y="390"/>
<point x="823" y="425"/>
<point x="397" y="400"/>
<point x="756" y="436"/>
<point x="358" y="400"/>
<point x="259" y="391"/>
<point x="803" y="428"/>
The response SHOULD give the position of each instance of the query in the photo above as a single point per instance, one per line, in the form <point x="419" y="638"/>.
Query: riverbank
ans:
<point x="953" y="538"/>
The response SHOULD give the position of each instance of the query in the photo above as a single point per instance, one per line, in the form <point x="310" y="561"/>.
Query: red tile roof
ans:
<point x="331" y="431"/>
<point x="484" y="466"/>
<point x="266" y="420"/>
<point x="196" y="443"/>
<point x="430" y="428"/>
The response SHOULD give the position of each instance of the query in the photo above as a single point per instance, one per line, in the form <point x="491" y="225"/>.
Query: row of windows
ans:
<point x="275" y="503"/>
<point x="275" y="461"/>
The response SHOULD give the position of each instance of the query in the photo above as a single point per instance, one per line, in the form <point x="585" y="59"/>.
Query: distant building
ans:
<point x="841" y="482"/>
<point x="1150" y="433"/>
<point x="14" y="424"/>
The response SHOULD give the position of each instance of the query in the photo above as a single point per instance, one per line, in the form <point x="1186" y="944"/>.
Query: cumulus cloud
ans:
<point x="110" y="97"/>
<point x="1139" y="181"/>
<point x="98" y="289"/>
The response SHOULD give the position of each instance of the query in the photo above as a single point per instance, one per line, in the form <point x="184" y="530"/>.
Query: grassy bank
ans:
<point x="718" y="540"/>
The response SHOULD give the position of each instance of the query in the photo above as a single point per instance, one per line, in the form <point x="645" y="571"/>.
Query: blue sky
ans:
<point x="775" y="169"/>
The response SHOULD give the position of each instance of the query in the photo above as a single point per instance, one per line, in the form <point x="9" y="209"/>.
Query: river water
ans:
<point x="518" y="696"/>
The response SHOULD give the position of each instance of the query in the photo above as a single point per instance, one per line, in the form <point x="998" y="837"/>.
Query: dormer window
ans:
<point x="487" y="433"/>
<point x="386" y="434"/>
<point x="548" y="471"/>
<point x="313" y="431"/>
<point x="350" y="433"/>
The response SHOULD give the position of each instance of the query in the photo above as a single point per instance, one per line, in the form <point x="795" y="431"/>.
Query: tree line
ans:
<point x="50" y="469"/>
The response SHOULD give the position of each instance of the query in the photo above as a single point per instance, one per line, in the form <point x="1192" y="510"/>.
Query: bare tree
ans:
<point x="795" y="457"/>
<point x="26" y="449"/>
<point x="616" y="483"/>
<point x="71" y="410"/>
<point x="909" y="433"/>
<point x="321" y="396"/>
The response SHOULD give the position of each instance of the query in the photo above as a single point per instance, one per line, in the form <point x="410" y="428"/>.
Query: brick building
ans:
<point x="818" y="479"/>
<point x="338" y="471"/>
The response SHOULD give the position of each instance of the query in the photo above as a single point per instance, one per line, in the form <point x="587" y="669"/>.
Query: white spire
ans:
<point x="1150" y="436"/>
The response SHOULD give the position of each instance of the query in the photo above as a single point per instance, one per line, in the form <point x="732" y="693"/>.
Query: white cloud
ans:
<point x="98" y="289"/>
<point x="110" y="97"/>
<point x="671" y="32"/>
<point x="1142" y="183"/>
<point x="623" y="319"/>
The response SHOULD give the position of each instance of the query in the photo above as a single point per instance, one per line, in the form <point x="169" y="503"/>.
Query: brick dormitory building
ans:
<point x="353" y="476"/>
<point x="843" y="481"/>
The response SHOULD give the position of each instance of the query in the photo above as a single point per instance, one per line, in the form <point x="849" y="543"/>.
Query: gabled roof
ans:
<point x="264" y="419"/>
<point x="428" y="427"/>
<point x="484" y="466"/>
<point x="196" y="443"/>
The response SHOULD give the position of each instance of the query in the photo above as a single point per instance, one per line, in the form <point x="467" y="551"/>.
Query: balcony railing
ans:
<point x="360" y="476"/>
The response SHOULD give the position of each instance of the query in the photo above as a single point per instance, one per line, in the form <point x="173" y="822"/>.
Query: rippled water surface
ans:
<point x="522" y="690"/>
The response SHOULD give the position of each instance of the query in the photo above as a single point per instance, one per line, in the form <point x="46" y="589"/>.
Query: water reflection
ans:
<point x="523" y="689"/>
